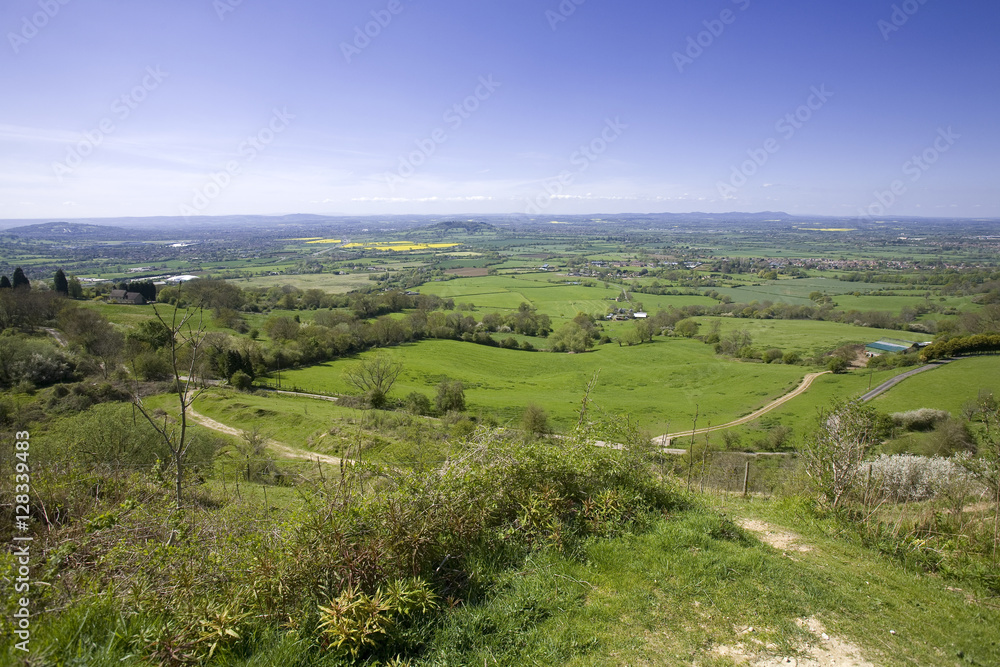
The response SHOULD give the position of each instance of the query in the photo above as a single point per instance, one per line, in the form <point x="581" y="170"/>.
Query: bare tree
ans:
<point x="374" y="377"/>
<point x="183" y="345"/>
<point x="833" y="455"/>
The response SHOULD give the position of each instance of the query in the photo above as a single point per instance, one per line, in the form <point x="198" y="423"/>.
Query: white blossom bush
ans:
<point x="919" y="420"/>
<point x="906" y="477"/>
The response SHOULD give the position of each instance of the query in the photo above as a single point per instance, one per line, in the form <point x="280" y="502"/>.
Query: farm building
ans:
<point x="121" y="296"/>
<point x="891" y="346"/>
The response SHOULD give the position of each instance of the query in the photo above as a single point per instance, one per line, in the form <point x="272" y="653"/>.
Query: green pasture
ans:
<point x="651" y="303"/>
<point x="795" y="291"/>
<point x="556" y="299"/>
<point x="126" y="315"/>
<point x="325" y="427"/>
<point x="895" y="303"/>
<point x="552" y="295"/>
<point x="327" y="282"/>
<point x="660" y="385"/>
<point x="805" y="336"/>
<point x="298" y="422"/>
<point x="944" y="388"/>
<point x="800" y="413"/>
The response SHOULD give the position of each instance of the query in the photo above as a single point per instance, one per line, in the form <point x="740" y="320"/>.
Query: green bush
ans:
<point x="241" y="381"/>
<point x="772" y="355"/>
<point x="418" y="404"/>
<point x="450" y="397"/>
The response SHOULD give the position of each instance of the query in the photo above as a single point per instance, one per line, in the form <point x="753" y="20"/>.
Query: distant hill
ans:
<point x="69" y="230"/>
<point x="470" y="226"/>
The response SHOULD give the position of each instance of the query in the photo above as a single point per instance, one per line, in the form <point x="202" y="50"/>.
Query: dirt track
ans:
<point x="665" y="440"/>
<point x="278" y="447"/>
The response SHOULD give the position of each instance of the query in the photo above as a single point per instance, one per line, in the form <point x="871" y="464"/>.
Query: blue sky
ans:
<point x="215" y="107"/>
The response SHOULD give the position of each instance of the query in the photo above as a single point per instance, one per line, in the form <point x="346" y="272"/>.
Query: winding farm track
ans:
<point x="665" y="440"/>
<point x="274" y="445"/>
<point x="892" y="382"/>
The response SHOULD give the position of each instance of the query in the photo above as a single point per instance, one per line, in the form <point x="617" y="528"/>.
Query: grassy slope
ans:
<point x="657" y="384"/>
<point x="324" y="427"/>
<point x="805" y="336"/>
<point x="695" y="583"/>
<point x="800" y="413"/>
<point x="945" y="388"/>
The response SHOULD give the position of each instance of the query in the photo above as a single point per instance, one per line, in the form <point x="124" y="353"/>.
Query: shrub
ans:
<point x="42" y="369"/>
<point x="450" y="396"/>
<point x="772" y="355"/>
<point x="462" y="427"/>
<point x="836" y="365"/>
<point x="418" y="404"/>
<point x="923" y="419"/>
<point x="356" y="571"/>
<point x="687" y="328"/>
<point x="241" y="381"/>
<point x="904" y="477"/>
<point x="152" y="367"/>
<point x="535" y="421"/>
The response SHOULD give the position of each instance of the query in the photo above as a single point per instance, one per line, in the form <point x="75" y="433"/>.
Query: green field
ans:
<point x="553" y="295"/>
<point x="800" y="413"/>
<point x="328" y="282"/>
<point x="896" y="302"/>
<point x="806" y="336"/>
<point x="556" y="299"/>
<point x="659" y="384"/>
<point x="945" y="388"/>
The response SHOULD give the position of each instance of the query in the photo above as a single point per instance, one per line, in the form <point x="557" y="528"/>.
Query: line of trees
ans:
<point x="962" y="345"/>
<point x="18" y="280"/>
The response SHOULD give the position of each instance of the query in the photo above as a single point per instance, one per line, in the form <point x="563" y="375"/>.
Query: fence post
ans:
<point x="746" y="477"/>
